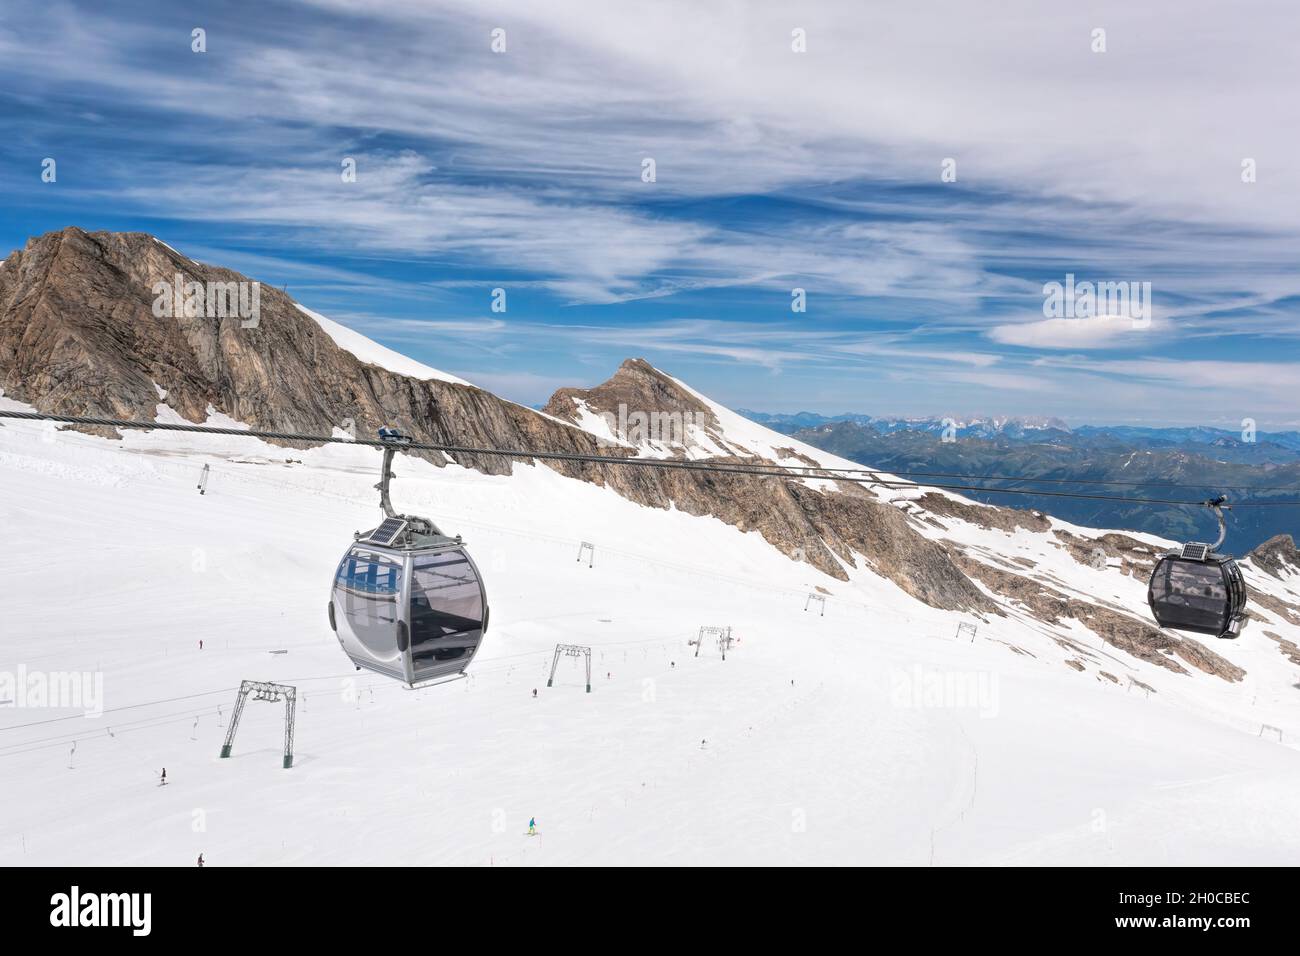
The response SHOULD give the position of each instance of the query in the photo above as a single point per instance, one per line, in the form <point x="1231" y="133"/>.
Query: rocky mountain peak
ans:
<point x="102" y="323"/>
<point x="1277" y="556"/>
<point x="637" y="387"/>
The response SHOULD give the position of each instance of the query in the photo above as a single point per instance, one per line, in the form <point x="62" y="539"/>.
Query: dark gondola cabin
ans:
<point x="1197" y="589"/>
<point x="408" y="601"/>
<point x="1205" y="595"/>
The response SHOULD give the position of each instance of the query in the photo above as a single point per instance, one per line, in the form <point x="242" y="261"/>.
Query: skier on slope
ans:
<point x="532" y="826"/>
<point x="162" y="781"/>
<point x="200" y="861"/>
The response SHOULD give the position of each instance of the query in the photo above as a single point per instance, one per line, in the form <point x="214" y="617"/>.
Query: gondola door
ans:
<point x="448" y="613"/>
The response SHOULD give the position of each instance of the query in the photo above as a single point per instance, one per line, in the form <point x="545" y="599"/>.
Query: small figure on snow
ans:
<point x="162" y="781"/>
<point x="200" y="861"/>
<point x="532" y="826"/>
<point x="200" y="643"/>
<point x="534" y="691"/>
<point x="702" y="743"/>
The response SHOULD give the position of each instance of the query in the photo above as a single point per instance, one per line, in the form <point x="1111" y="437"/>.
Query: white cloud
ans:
<point x="1096" y="332"/>
<point x="1278" y="381"/>
<point x="1161" y="120"/>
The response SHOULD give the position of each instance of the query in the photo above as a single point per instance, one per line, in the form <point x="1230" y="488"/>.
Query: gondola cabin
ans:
<point x="1198" y="590"/>
<point x="407" y="601"/>
<point x="407" y="604"/>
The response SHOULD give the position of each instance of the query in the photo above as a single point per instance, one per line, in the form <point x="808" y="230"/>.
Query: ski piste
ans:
<point x="880" y="675"/>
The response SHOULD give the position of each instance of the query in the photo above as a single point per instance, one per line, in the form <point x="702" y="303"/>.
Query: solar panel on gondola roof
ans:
<point x="389" y="530"/>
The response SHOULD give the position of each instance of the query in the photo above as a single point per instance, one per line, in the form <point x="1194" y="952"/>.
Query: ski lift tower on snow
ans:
<point x="723" y="634"/>
<point x="570" y="650"/>
<point x="273" y="693"/>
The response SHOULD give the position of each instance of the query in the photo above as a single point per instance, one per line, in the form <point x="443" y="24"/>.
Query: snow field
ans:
<point x="893" y="744"/>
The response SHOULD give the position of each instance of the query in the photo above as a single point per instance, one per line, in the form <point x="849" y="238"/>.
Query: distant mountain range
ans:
<point x="1178" y="463"/>
<point x="1285" y="446"/>
<point x="984" y="426"/>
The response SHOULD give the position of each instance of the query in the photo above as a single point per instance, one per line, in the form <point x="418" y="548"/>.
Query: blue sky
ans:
<point x="775" y="170"/>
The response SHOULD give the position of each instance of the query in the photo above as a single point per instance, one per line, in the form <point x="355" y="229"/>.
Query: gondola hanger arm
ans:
<point x="1217" y="505"/>
<point x="392" y="440"/>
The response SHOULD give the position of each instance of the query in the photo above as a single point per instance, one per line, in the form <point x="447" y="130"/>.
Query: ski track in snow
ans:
<point x="115" y="564"/>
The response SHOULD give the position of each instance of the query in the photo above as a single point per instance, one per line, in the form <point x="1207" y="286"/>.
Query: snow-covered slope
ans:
<point x="738" y="433"/>
<point x="372" y="353"/>
<point x="864" y="734"/>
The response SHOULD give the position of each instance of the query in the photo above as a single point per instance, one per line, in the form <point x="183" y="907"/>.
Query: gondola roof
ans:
<point x="409" y="539"/>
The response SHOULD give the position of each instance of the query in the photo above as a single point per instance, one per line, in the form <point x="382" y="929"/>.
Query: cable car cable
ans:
<point x="767" y="471"/>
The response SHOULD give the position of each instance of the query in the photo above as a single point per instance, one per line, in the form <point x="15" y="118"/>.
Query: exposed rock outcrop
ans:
<point x="1137" y="558"/>
<point x="1289" y="648"/>
<point x="1277" y="556"/>
<point x="1274" y="605"/>
<point x="984" y="516"/>
<point x="1116" y="628"/>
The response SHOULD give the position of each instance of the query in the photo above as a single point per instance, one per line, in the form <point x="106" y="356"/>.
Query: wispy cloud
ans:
<point x="1094" y="332"/>
<point x="774" y="171"/>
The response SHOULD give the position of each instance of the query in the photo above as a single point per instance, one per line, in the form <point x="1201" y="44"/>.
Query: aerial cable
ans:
<point x="777" y="471"/>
